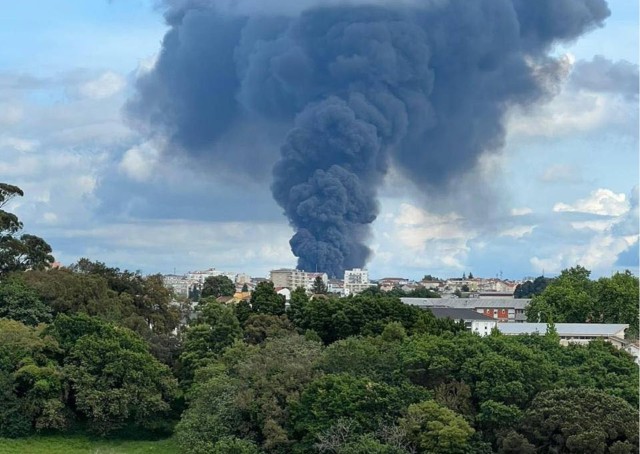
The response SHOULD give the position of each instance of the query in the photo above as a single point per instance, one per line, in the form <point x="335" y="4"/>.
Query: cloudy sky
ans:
<point x="566" y="181"/>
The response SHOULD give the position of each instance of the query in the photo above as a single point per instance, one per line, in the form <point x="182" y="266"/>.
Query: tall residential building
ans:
<point x="356" y="281"/>
<point x="293" y="279"/>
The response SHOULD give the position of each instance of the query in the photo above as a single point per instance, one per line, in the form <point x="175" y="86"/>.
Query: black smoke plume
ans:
<point x="420" y="85"/>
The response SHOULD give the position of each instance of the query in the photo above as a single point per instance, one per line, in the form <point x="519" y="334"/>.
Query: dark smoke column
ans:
<point x="366" y="63"/>
<point x="424" y="88"/>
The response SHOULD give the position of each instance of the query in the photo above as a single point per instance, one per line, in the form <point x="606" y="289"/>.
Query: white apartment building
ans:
<point x="179" y="284"/>
<point x="355" y="281"/>
<point x="292" y="279"/>
<point x="198" y="277"/>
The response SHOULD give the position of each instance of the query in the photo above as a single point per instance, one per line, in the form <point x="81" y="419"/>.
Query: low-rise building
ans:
<point x="475" y="322"/>
<point x="501" y="309"/>
<point x="335" y="286"/>
<point x="572" y="333"/>
<point x="387" y="284"/>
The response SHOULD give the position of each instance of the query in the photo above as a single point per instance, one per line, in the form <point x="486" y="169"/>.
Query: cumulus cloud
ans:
<point x="139" y="162"/>
<point x="104" y="86"/>
<point x="603" y="243"/>
<point x="598" y="94"/>
<point x="410" y="237"/>
<point x="416" y="226"/>
<point x="601" y="201"/>
<point x="599" y="254"/>
<point x="605" y="76"/>
<point x="235" y="246"/>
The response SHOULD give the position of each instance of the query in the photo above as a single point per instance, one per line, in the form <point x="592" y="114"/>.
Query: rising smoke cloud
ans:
<point x="362" y="85"/>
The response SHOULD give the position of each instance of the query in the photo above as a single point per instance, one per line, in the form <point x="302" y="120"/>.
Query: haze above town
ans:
<point x="562" y="192"/>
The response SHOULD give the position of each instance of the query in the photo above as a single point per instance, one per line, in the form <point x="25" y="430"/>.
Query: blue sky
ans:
<point x="568" y="174"/>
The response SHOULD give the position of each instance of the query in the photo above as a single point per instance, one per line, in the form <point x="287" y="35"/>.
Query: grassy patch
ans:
<point x="81" y="444"/>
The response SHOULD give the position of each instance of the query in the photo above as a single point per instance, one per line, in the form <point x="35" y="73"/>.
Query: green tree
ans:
<point x="218" y="328"/>
<point x="146" y="297"/>
<point x="234" y="445"/>
<point x="297" y="304"/>
<point x="20" y="302"/>
<point x="618" y="298"/>
<point x="260" y="327"/>
<point x="332" y="397"/>
<point x="580" y="420"/>
<point x="265" y="300"/>
<point x="113" y="380"/>
<point x="436" y="429"/>
<point x="19" y="252"/>
<point x="430" y="278"/>
<point x="245" y="287"/>
<point x="242" y="310"/>
<point x="248" y="394"/>
<point x="211" y="416"/>
<point x="529" y="289"/>
<point x="394" y="332"/>
<point x="364" y="358"/>
<point x="570" y="298"/>
<point x="319" y="287"/>
<point x="32" y="390"/>
<point x="217" y="286"/>
<point x="456" y="396"/>
<point x="422" y="292"/>
<point x="514" y="443"/>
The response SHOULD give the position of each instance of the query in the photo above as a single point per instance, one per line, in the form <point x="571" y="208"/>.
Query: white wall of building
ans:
<point x="356" y="281"/>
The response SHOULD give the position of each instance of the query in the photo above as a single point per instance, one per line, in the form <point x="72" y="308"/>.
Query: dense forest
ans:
<point x="100" y="350"/>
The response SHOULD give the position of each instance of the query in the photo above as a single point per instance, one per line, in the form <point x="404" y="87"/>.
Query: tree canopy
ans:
<point x="217" y="286"/>
<point x="19" y="252"/>
<point x="573" y="298"/>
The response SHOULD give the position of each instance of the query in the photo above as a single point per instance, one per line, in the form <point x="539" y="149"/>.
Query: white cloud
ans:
<point x="10" y="113"/>
<point x="140" y="162"/>
<point x="105" y="86"/>
<point x="518" y="231"/>
<point x="409" y="237"/>
<point x="18" y="144"/>
<point x="575" y="110"/>
<point x="521" y="211"/>
<point x="415" y="226"/>
<point x="235" y="246"/>
<point x="547" y="265"/>
<point x="599" y="225"/>
<point x="50" y="218"/>
<point x="601" y="201"/>
<point x="599" y="254"/>
<point x="564" y="173"/>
